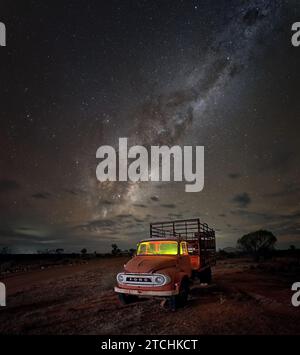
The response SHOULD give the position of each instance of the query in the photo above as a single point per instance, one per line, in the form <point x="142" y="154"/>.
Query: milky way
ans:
<point x="171" y="117"/>
<point x="219" y="74"/>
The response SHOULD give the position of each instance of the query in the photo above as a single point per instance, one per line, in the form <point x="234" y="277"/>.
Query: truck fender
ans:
<point x="182" y="277"/>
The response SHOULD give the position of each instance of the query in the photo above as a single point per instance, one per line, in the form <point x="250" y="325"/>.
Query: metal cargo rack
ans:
<point x="200" y="238"/>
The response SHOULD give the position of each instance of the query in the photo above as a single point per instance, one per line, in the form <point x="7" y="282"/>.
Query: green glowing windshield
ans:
<point x="158" y="248"/>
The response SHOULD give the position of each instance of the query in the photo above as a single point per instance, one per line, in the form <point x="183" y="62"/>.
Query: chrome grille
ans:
<point x="138" y="279"/>
<point x="142" y="279"/>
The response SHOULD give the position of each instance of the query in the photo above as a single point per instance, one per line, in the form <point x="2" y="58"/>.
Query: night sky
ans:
<point x="79" y="74"/>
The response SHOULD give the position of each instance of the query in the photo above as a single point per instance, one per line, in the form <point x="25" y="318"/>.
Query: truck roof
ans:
<point x="173" y="239"/>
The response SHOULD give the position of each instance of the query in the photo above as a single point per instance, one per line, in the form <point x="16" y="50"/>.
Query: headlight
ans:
<point x="120" y="278"/>
<point x="159" y="280"/>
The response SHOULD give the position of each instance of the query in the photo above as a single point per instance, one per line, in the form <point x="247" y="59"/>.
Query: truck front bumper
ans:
<point x="146" y="293"/>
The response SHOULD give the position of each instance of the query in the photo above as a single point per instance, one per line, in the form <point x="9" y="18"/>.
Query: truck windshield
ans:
<point x="158" y="248"/>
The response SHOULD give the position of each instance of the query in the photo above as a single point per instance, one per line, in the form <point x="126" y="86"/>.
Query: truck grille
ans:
<point x="138" y="279"/>
<point x="143" y="279"/>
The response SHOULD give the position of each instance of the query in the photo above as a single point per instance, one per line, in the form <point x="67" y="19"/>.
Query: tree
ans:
<point x="259" y="243"/>
<point x="59" y="251"/>
<point x="132" y="252"/>
<point x="115" y="250"/>
<point x="83" y="251"/>
<point x="5" y="251"/>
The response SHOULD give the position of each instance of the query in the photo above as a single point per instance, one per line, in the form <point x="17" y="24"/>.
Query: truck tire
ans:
<point x="205" y="276"/>
<point x="208" y="276"/>
<point x="180" y="300"/>
<point x="127" y="299"/>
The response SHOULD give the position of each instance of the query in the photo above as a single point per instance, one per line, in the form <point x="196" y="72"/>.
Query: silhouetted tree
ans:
<point x="83" y="251"/>
<point x="115" y="250"/>
<point x="132" y="251"/>
<point x="5" y="251"/>
<point x="259" y="243"/>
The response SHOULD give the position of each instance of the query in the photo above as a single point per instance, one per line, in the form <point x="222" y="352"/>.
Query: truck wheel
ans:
<point x="205" y="276"/>
<point x="180" y="300"/>
<point x="209" y="277"/>
<point x="126" y="299"/>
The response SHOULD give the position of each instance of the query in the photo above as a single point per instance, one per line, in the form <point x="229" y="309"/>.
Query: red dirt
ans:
<point x="79" y="299"/>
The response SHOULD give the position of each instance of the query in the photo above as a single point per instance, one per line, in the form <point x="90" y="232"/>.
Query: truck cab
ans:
<point x="166" y="263"/>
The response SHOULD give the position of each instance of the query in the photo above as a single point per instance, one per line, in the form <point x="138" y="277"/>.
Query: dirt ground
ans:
<point x="243" y="299"/>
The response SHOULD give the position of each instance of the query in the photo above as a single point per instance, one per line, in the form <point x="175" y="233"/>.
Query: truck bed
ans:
<point x="199" y="236"/>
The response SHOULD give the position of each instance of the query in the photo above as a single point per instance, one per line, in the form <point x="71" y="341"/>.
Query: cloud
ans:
<point x="242" y="200"/>
<point x="124" y="215"/>
<point x="74" y="191"/>
<point x="286" y="191"/>
<point x="8" y="185"/>
<point x="97" y="226"/>
<point x="154" y="198"/>
<point x="41" y="195"/>
<point x="71" y="192"/>
<point x="234" y="175"/>
<point x="106" y="202"/>
<point x="11" y="235"/>
<point x="281" y="161"/>
<point x="139" y="205"/>
<point x="168" y="205"/>
<point x="284" y="225"/>
<point x="175" y="215"/>
<point x="267" y="216"/>
<point x="293" y="229"/>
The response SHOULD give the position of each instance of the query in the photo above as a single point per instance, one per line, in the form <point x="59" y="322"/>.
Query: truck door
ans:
<point x="184" y="259"/>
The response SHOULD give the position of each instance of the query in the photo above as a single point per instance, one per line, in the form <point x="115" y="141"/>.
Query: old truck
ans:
<point x="166" y="264"/>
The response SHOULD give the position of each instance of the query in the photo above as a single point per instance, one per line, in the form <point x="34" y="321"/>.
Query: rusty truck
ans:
<point x="167" y="262"/>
